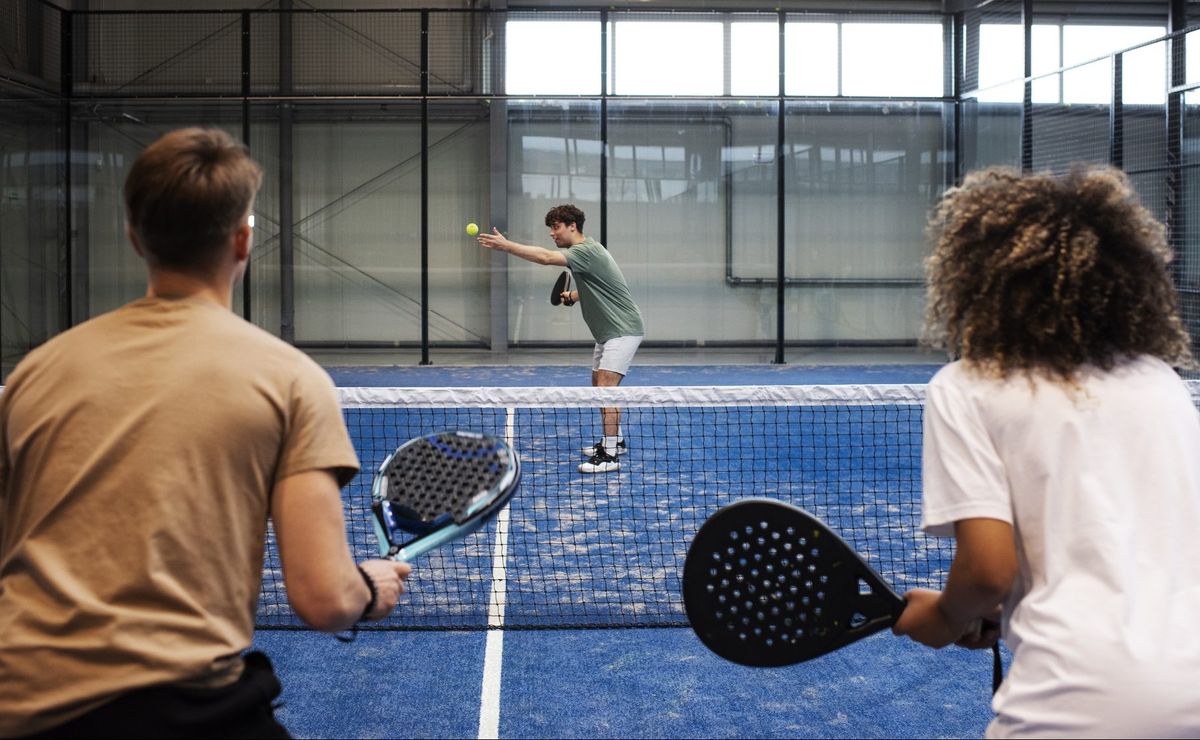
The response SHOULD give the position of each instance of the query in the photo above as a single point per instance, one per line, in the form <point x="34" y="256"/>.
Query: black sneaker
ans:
<point x="600" y="462"/>
<point x="591" y="449"/>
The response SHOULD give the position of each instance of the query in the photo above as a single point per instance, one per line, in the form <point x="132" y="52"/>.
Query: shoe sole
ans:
<point x="601" y="468"/>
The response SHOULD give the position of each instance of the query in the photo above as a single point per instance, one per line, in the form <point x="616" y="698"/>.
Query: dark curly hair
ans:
<point x="1047" y="273"/>
<point x="566" y="215"/>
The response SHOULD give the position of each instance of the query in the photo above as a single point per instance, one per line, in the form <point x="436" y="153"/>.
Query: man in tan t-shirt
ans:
<point x="141" y="454"/>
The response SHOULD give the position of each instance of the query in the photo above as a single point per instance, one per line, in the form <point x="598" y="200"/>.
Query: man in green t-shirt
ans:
<point x="608" y="310"/>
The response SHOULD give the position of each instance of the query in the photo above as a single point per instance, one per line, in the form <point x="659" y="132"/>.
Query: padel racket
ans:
<point x="440" y="487"/>
<point x="562" y="285"/>
<point x="768" y="584"/>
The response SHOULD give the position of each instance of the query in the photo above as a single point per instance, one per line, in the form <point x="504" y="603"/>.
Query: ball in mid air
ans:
<point x="472" y="229"/>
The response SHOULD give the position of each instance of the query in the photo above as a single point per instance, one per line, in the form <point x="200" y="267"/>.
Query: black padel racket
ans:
<point x="768" y="584"/>
<point x="562" y="285"/>
<point x="440" y="487"/>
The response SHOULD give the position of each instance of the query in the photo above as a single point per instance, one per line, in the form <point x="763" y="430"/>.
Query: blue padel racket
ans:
<point x="440" y="487"/>
<point x="562" y="285"/>
<point x="768" y="584"/>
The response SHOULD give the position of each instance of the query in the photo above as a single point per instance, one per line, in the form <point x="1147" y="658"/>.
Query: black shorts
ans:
<point x="242" y="709"/>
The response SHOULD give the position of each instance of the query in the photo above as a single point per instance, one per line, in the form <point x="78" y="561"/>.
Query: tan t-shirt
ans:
<point x="137" y="454"/>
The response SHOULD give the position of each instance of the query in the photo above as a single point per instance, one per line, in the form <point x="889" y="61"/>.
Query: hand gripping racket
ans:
<point x="768" y="584"/>
<point x="440" y="487"/>
<point x="562" y="285"/>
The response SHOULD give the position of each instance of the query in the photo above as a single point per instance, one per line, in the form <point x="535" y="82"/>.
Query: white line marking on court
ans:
<point x="493" y="652"/>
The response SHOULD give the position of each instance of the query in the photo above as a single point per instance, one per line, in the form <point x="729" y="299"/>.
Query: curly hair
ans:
<point x="1044" y="273"/>
<point x="565" y="214"/>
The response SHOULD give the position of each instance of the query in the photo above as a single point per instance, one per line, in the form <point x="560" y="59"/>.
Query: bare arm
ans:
<point x="982" y="574"/>
<point x="538" y="255"/>
<point x="322" y="581"/>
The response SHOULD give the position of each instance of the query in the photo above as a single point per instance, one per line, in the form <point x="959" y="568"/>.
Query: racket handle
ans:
<point x="974" y="629"/>
<point x="997" y="669"/>
<point x="414" y="550"/>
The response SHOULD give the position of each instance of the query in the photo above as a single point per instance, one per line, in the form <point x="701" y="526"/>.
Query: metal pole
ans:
<point x="246" y="289"/>
<point x="780" y="191"/>
<point x="425" y="187"/>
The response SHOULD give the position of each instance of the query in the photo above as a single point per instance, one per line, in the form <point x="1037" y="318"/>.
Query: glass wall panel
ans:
<point x="751" y="174"/>
<point x="861" y="180"/>
<point x="692" y="216"/>
<point x="553" y="158"/>
<point x="111" y="135"/>
<point x="264" y="268"/>
<point x="32" y="233"/>
<point x="459" y="269"/>
<point x="357" y="229"/>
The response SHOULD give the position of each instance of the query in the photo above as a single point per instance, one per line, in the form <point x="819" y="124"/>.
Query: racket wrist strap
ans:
<point x="370" y="607"/>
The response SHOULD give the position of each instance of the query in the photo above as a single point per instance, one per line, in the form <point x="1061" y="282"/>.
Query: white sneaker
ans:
<point x="600" y="462"/>
<point x="591" y="449"/>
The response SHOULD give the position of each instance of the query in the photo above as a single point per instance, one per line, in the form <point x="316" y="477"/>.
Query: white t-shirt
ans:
<point x="1102" y="486"/>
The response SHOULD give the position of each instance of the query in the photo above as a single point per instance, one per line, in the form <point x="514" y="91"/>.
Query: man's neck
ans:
<point x="172" y="285"/>
<point x="579" y="239"/>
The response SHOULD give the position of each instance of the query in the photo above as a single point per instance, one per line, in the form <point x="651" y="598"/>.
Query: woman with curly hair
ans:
<point x="1062" y="452"/>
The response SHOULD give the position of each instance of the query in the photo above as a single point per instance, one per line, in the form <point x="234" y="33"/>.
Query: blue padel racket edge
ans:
<point x="561" y="285"/>
<point x="768" y="584"/>
<point x="440" y="487"/>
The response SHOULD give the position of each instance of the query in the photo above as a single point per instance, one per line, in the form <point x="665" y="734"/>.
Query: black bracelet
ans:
<point x="374" y="594"/>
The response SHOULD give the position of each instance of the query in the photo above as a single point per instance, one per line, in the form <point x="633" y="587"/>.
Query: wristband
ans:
<point x="370" y="607"/>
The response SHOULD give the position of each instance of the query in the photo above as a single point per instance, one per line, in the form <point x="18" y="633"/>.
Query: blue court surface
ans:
<point x="637" y="683"/>
<point x="632" y="529"/>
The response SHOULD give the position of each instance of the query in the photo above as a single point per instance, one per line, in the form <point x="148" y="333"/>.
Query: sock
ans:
<point x="610" y="445"/>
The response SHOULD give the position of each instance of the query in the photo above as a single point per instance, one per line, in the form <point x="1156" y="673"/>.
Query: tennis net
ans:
<point x="606" y="550"/>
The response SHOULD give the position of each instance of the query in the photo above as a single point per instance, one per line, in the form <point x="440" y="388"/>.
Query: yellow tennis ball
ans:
<point x="472" y="229"/>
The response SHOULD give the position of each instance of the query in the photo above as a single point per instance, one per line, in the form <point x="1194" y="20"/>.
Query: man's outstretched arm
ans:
<point x="537" y="255"/>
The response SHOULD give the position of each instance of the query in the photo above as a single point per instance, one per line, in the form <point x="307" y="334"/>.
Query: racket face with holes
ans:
<point x="768" y="584"/>
<point x="438" y="488"/>
<point x="561" y="285"/>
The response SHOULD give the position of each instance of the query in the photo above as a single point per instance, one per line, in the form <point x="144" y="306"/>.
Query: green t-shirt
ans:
<point x="604" y="297"/>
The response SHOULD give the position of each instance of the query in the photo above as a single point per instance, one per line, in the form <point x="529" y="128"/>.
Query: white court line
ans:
<point x="493" y="653"/>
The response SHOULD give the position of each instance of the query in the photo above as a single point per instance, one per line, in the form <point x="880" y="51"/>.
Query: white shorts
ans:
<point x="615" y="355"/>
